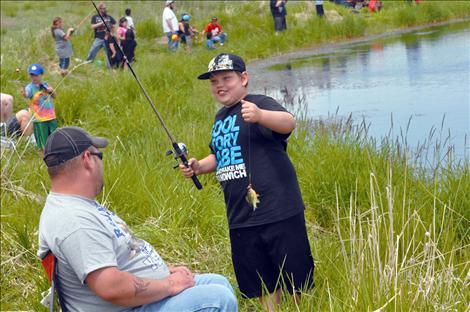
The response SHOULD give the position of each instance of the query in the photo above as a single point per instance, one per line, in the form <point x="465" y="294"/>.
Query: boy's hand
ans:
<point x="50" y="90"/>
<point x="194" y="167"/>
<point x="250" y="112"/>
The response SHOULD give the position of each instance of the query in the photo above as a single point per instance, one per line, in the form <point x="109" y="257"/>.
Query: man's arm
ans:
<point x="278" y="121"/>
<point x="94" y="26"/>
<point x="170" y="25"/>
<point x="125" y="289"/>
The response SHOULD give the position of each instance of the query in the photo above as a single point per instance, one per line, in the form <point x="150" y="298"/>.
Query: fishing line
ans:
<point x="249" y="155"/>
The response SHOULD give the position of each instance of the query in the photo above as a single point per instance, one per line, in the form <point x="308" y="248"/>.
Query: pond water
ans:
<point x="416" y="82"/>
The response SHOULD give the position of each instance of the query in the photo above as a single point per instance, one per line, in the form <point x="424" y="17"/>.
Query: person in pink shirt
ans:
<point x="122" y="29"/>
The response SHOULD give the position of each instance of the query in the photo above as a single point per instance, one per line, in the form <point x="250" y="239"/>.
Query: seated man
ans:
<point x="102" y="266"/>
<point x="214" y="33"/>
<point x="14" y="125"/>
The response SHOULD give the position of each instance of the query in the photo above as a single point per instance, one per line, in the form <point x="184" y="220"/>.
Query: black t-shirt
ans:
<point x="101" y="30"/>
<point x="242" y="148"/>
<point x="278" y="11"/>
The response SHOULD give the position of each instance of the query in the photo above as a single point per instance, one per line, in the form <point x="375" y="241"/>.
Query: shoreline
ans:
<point x="261" y="64"/>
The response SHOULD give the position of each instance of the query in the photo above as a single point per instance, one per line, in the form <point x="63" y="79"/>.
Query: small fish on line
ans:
<point x="252" y="197"/>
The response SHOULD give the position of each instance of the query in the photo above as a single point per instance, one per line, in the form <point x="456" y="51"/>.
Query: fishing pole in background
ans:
<point x="81" y="22"/>
<point x="179" y="149"/>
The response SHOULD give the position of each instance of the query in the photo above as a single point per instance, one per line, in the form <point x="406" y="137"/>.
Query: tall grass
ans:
<point x="386" y="232"/>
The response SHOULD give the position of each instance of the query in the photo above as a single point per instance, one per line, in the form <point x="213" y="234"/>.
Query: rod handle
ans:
<point x="196" y="182"/>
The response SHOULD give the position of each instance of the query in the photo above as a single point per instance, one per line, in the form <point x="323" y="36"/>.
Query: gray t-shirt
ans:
<point x="85" y="236"/>
<point x="63" y="47"/>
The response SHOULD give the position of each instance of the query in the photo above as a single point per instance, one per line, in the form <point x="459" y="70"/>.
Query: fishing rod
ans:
<point x="179" y="149"/>
<point x="83" y="20"/>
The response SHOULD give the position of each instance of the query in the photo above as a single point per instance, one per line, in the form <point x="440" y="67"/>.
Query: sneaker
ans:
<point x="221" y="43"/>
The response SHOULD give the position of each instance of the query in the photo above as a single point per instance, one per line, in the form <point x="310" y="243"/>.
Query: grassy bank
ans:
<point x="385" y="232"/>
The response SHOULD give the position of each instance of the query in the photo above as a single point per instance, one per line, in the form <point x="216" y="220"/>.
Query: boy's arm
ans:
<point x="278" y="121"/>
<point x="49" y="90"/>
<point x="113" y="50"/>
<point x="205" y="165"/>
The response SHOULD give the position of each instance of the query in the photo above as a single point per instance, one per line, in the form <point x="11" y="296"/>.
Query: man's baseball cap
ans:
<point x="167" y="2"/>
<point x="35" y="69"/>
<point x="68" y="142"/>
<point x="222" y="62"/>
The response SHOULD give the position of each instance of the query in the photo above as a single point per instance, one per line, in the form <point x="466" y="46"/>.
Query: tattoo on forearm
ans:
<point x="140" y="285"/>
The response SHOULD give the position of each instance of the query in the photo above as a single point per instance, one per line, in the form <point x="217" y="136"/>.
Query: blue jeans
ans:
<point x="212" y="293"/>
<point x="219" y="38"/>
<point x="172" y="45"/>
<point x="64" y="62"/>
<point x="95" y="48"/>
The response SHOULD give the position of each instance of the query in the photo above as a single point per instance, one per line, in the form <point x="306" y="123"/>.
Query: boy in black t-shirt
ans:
<point x="248" y="153"/>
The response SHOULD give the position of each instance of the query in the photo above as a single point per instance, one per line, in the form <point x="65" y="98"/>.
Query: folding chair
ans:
<point x="49" y="263"/>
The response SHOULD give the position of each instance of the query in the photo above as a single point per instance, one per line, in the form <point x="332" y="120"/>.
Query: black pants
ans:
<point x="319" y="8"/>
<point x="280" y="23"/>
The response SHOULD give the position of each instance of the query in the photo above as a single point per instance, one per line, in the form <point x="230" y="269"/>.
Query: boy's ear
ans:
<point x="245" y="78"/>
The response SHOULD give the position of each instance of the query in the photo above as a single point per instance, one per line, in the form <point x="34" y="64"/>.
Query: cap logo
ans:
<point x="221" y="63"/>
<point x="34" y="68"/>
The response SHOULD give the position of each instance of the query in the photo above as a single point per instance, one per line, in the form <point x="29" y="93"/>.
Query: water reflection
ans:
<point x="422" y="75"/>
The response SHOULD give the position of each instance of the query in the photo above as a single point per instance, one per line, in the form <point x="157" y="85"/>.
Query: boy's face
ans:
<point x="36" y="79"/>
<point x="228" y="87"/>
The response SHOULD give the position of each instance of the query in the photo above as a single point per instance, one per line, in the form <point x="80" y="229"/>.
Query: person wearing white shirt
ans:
<point x="170" y="24"/>
<point x="130" y="21"/>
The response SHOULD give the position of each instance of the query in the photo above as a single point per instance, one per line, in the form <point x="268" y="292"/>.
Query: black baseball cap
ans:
<point x="68" y="142"/>
<point x="222" y="62"/>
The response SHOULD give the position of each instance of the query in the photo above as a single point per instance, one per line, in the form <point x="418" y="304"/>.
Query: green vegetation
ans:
<point x="385" y="231"/>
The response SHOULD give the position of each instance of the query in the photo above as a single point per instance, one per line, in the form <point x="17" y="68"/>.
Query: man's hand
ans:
<point x="181" y="269"/>
<point x="194" y="167"/>
<point x="250" y="112"/>
<point x="179" y="281"/>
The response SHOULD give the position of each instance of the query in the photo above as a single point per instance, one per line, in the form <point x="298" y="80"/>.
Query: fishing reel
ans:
<point x="183" y="150"/>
